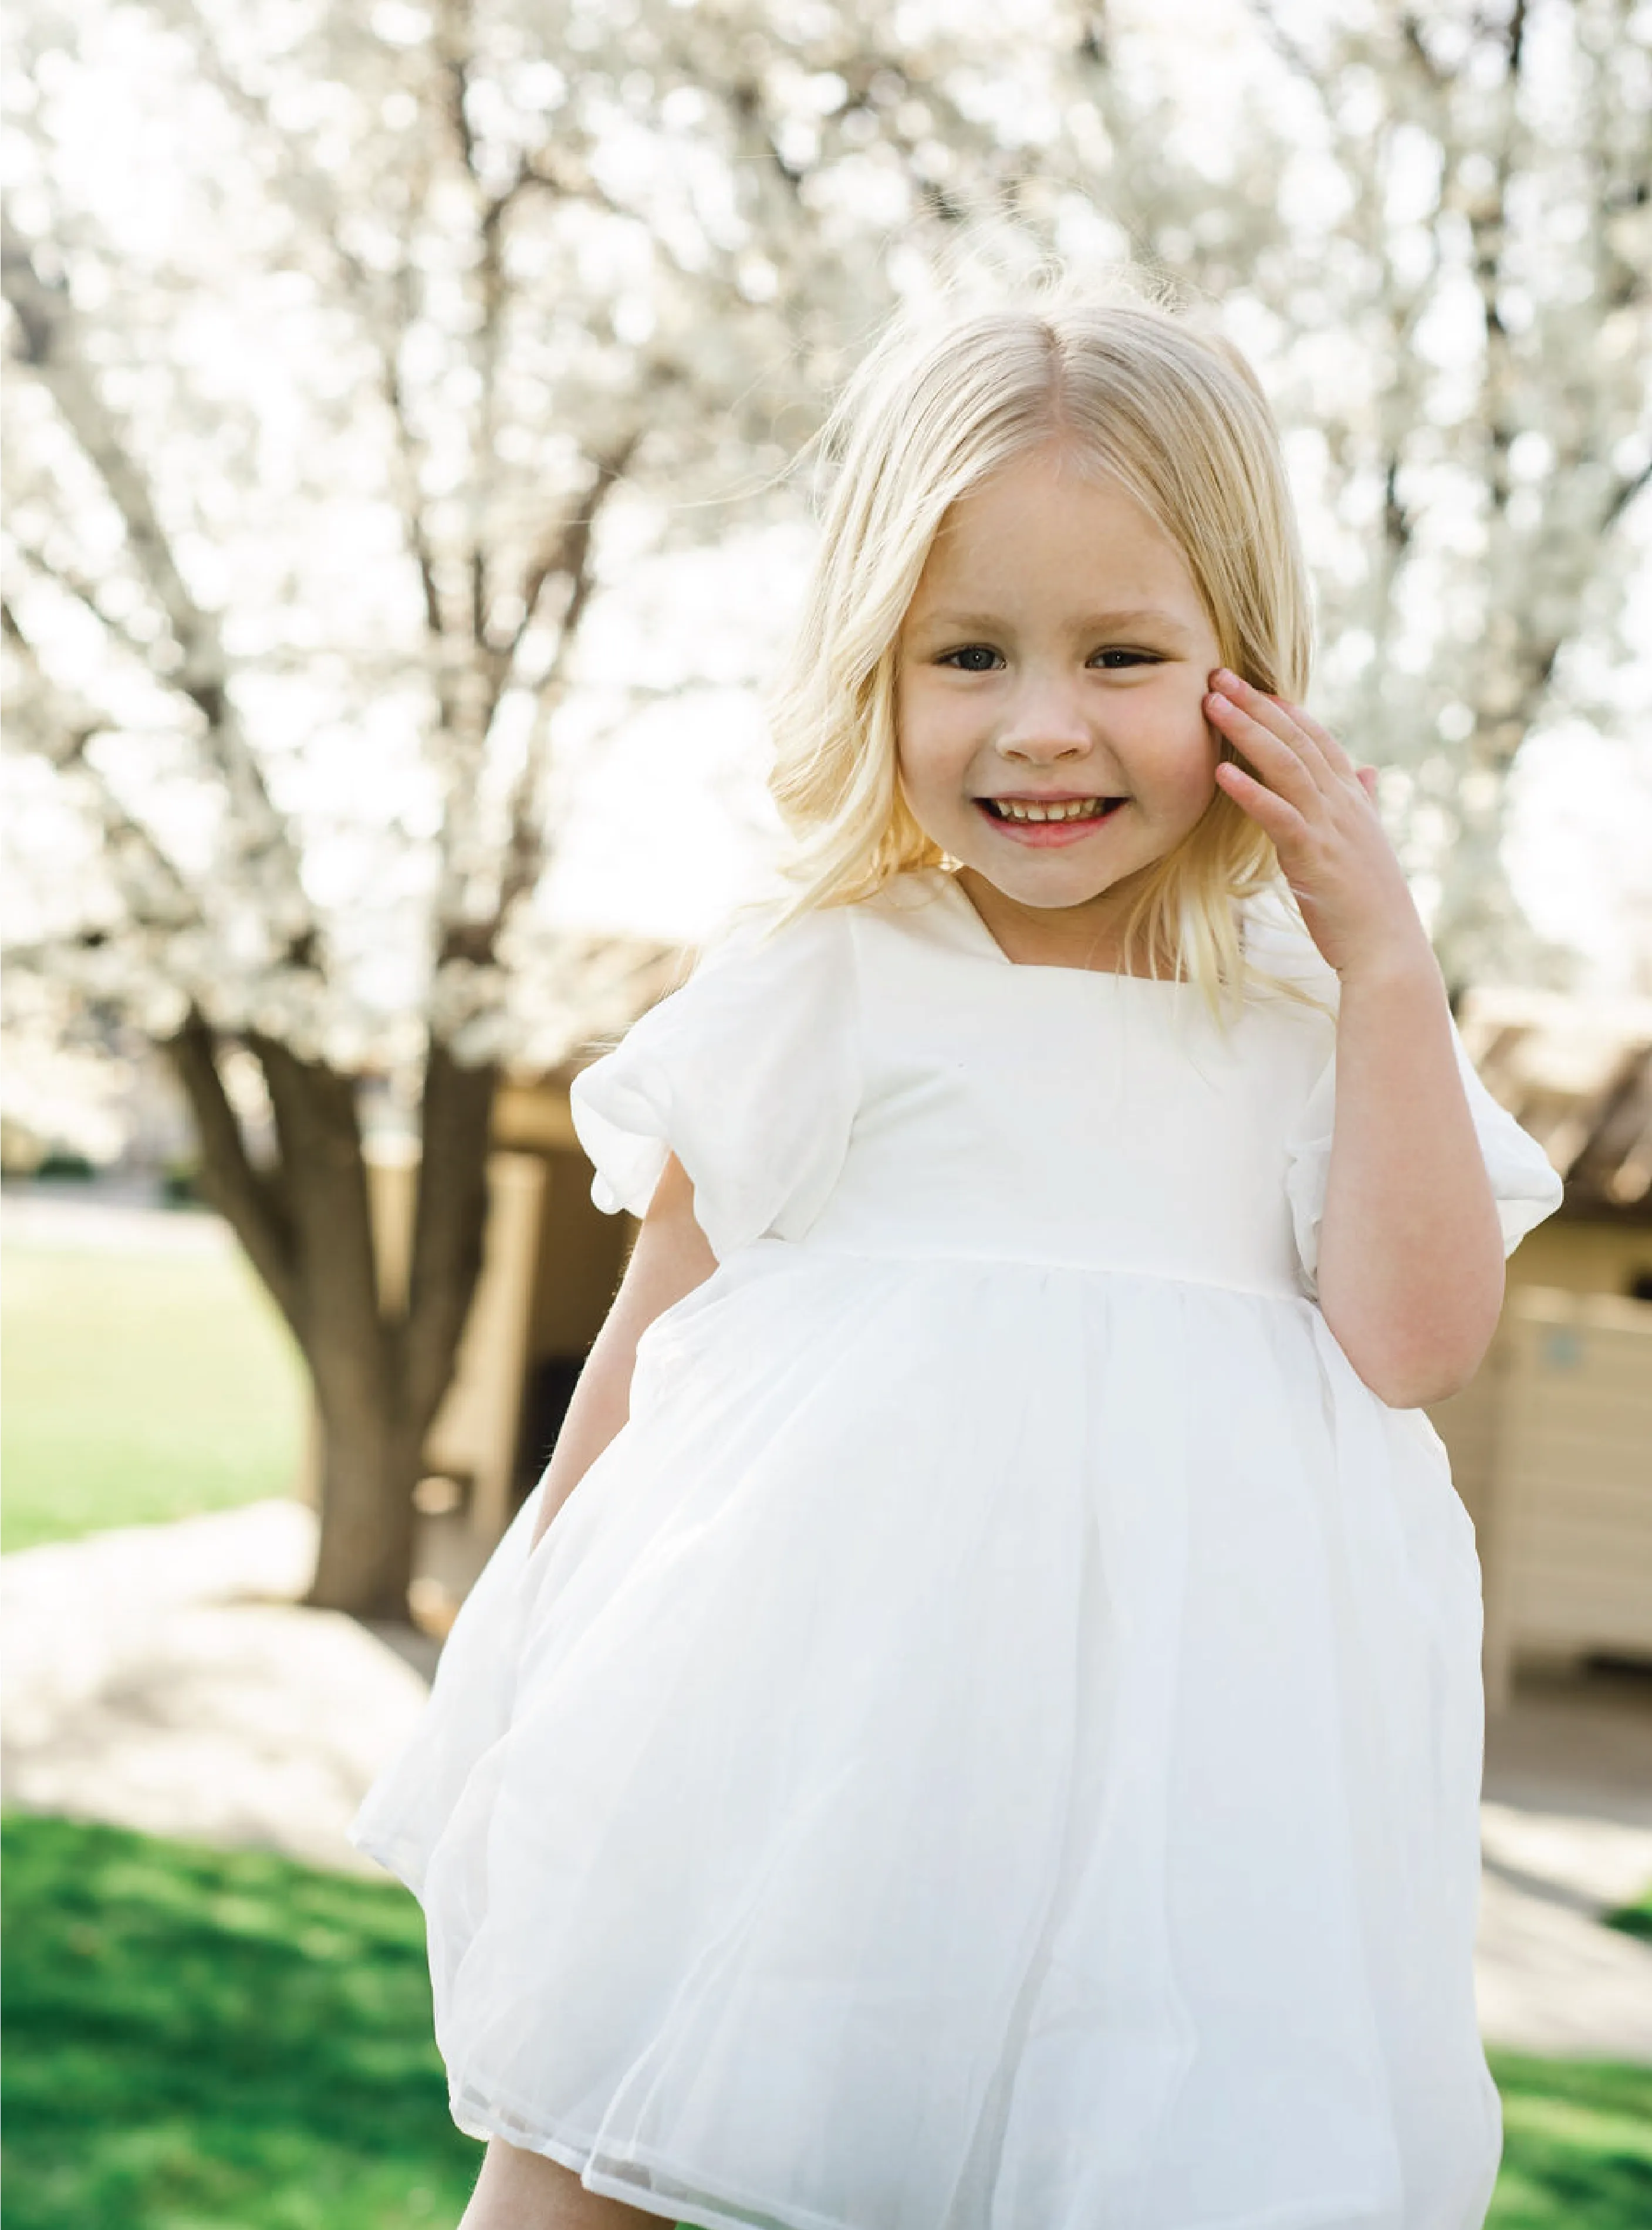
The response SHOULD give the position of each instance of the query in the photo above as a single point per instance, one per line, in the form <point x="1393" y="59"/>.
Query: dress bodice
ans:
<point x="880" y="1079"/>
<point x="1063" y="1114"/>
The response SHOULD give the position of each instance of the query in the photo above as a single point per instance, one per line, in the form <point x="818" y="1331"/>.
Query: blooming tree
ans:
<point x="342" y="339"/>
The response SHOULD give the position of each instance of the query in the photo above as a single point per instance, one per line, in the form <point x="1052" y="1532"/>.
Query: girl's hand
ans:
<point x="1320" y="810"/>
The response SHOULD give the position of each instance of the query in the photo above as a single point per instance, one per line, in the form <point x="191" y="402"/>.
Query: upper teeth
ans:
<point x="1014" y="809"/>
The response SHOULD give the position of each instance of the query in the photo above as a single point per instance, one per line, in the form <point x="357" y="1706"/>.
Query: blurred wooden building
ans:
<point x="1551" y="1444"/>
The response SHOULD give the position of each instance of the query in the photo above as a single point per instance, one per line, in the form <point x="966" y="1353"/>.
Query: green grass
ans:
<point x="1578" y="2145"/>
<point x="139" y="1388"/>
<point x="200" y="2039"/>
<point x="1634" y="1919"/>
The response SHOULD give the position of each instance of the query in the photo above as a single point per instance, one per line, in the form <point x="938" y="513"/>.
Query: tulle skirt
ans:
<point x="989" y="1746"/>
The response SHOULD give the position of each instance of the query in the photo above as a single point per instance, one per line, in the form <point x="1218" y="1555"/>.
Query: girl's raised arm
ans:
<point x="670" y="1258"/>
<point x="1410" y="1250"/>
<point x="1410" y="1268"/>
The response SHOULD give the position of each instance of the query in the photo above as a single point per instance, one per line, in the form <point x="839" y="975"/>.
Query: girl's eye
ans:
<point x="981" y="658"/>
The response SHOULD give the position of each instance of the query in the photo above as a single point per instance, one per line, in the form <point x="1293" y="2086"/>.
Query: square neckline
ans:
<point x="971" y="915"/>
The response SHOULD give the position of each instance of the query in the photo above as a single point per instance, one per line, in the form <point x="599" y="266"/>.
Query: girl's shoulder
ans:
<point x="748" y="1071"/>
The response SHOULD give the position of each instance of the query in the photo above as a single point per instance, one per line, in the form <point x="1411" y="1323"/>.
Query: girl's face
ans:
<point x="1054" y="661"/>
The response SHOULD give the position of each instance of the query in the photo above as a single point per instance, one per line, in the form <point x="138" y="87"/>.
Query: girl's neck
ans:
<point x="1088" y="936"/>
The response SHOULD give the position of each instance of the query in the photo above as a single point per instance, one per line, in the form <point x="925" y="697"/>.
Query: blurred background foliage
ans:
<point x="402" y="405"/>
<point x="390" y="382"/>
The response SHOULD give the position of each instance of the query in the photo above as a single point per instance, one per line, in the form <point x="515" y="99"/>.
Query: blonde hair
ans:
<point x="1174" y="416"/>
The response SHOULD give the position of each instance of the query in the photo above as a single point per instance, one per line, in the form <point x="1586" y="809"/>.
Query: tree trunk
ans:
<point x="370" y="1463"/>
<point x="377" y="1378"/>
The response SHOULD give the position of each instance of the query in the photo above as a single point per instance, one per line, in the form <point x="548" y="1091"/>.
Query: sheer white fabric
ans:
<point x="994" y="1742"/>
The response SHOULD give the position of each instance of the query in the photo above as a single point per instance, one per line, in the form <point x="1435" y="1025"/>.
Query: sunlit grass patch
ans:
<point x="139" y="1388"/>
<point x="201" y="2039"/>
<point x="1578" y="2145"/>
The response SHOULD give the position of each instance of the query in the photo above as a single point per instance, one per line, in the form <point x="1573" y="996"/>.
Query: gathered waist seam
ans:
<point x="929" y="1259"/>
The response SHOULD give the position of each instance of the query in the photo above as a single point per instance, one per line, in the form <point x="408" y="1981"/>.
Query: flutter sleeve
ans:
<point x="1525" y="1185"/>
<point x="748" y="1074"/>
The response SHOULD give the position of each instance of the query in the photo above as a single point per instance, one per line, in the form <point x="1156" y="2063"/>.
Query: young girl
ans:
<point x="978" y="1726"/>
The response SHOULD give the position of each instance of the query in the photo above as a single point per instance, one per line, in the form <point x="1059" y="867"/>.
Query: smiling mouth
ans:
<point x="1028" y="811"/>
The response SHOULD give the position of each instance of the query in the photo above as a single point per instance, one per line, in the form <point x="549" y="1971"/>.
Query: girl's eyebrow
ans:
<point x="1147" y="616"/>
<point x="1144" y="616"/>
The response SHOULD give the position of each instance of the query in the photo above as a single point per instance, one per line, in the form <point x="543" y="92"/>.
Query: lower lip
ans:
<point x="1047" y="835"/>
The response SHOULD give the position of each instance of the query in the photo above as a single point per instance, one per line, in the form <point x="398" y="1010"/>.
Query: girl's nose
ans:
<point x="1045" y="721"/>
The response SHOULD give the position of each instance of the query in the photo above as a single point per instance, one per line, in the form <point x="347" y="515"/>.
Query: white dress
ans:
<point x="994" y="1742"/>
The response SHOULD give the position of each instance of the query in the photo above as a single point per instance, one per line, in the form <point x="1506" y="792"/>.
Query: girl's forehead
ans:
<point x="1037" y="519"/>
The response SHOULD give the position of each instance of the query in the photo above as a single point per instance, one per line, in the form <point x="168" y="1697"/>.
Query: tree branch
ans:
<point x="253" y="1203"/>
<point x="70" y="727"/>
<point x="569" y="556"/>
<point x="1416" y="46"/>
<point x="1625" y="494"/>
<point x="455" y="77"/>
<point x="53" y="353"/>
<point x="84" y="592"/>
<point x="1290" y="48"/>
<point x="566" y="552"/>
<point x="361" y="285"/>
<point x="448" y="1224"/>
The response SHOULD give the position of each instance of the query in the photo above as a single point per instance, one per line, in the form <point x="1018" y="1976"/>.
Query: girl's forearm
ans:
<point x="1410" y="1269"/>
<point x="600" y="1405"/>
<point x="670" y="1258"/>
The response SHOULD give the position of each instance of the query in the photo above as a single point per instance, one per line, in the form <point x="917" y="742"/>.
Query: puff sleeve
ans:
<point x="748" y="1073"/>
<point x="1525" y="1185"/>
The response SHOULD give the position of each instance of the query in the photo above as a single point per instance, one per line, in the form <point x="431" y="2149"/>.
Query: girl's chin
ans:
<point x="1052" y="884"/>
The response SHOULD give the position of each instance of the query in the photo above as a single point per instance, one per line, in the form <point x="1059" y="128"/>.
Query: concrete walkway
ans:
<point x="163" y="1677"/>
<point x="104" y="1217"/>
<point x="1566" y="1834"/>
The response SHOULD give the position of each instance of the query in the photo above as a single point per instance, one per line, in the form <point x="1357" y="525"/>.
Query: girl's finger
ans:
<point x="1284" y="770"/>
<point x="1334" y="751"/>
<point x="1318" y="752"/>
<point x="1274" y="815"/>
<point x="1367" y="779"/>
<point x="1263" y="715"/>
